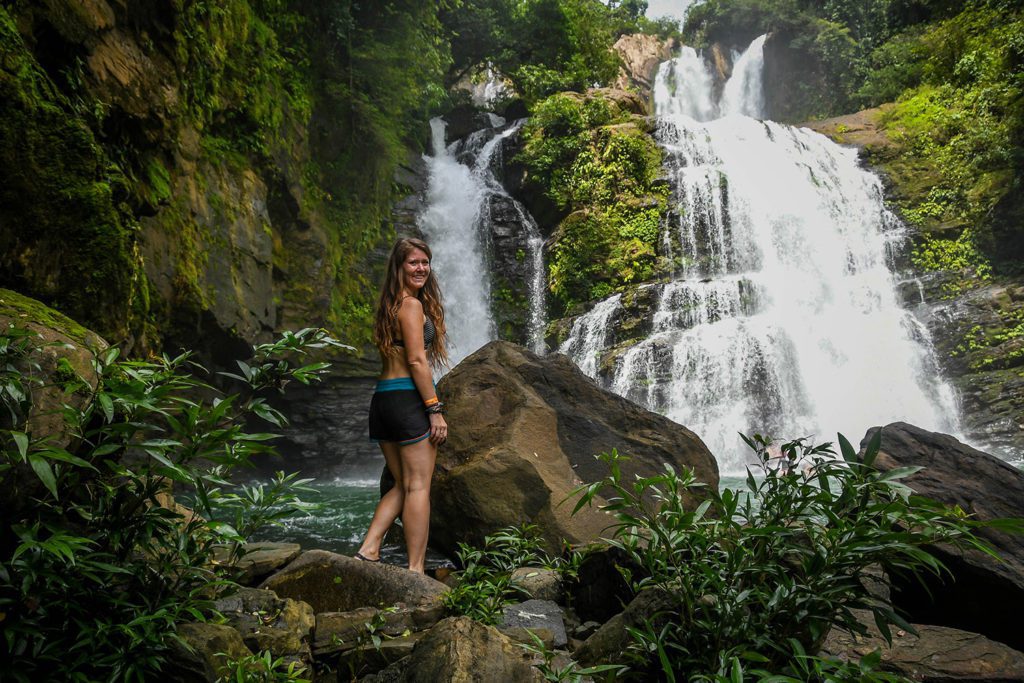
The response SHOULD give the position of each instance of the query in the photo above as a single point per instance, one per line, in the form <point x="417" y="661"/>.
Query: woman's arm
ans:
<point x="411" y="319"/>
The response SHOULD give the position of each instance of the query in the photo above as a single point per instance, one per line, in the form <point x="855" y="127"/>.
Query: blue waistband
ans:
<point x="396" y="384"/>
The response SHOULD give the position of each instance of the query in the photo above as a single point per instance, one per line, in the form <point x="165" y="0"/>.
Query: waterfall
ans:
<point x="744" y="93"/>
<point x="783" y="317"/>
<point x="589" y="335"/>
<point x="456" y="223"/>
<point x="685" y="85"/>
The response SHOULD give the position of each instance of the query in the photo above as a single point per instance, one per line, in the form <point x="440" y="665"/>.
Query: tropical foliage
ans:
<point x="757" y="578"/>
<point x="97" y="564"/>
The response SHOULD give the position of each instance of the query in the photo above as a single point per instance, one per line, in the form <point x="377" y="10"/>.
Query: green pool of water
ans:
<point x="344" y="510"/>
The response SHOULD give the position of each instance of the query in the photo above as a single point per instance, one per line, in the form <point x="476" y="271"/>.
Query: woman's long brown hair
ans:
<point x="386" y="323"/>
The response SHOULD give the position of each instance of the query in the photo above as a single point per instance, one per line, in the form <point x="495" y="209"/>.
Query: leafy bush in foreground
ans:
<point x="485" y="585"/>
<point x="758" y="578"/>
<point x="95" y="568"/>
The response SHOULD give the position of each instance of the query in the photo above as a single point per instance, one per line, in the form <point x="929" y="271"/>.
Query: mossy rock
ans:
<point x="62" y="365"/>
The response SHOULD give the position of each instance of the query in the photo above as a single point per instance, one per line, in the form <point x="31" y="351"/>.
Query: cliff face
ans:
<point x="640" y="54"/>
<point x="160" y="184"/>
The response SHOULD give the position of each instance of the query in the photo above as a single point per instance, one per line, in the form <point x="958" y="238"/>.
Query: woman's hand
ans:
<point x="438" y="429"/>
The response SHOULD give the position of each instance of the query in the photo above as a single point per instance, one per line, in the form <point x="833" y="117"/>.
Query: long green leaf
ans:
<point x="44" y="472"/>
<point x="21" y="441"/>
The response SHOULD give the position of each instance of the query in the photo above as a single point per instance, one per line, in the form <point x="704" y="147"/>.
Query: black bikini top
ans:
<point x="429" y="332"/>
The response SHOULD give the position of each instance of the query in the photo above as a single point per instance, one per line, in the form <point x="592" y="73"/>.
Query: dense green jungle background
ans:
<point x="228" y="167"/>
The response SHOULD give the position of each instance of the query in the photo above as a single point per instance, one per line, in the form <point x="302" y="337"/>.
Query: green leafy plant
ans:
<point x="761" y="576"/>
<point x="569" y="671"/>
<point x="485" y="585"/>
<point x="263" y="668"/>
<point x="96" y="565"/>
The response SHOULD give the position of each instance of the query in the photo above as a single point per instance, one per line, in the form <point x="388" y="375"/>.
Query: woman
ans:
<point x="405" y="415"/>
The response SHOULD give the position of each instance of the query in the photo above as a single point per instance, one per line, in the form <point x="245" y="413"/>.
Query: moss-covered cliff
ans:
<point x="205" y="173"/>
<point x="592" y="155"/>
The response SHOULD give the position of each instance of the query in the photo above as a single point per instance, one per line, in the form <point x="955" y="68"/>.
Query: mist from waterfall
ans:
<point x="782" y="317"/>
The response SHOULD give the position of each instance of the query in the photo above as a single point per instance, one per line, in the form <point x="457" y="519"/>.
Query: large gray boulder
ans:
<point x="337" y="583"/>
<point x="986" y="594"/>
<point x="937" y="654"/>
<point x="524" y="430"/>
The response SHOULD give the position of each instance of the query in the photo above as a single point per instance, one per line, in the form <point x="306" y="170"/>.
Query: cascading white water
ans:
<point x="744" y="91"/>
<point x="455" y="195"/>
<point x="589" y="335"/>
<point x="455" y="223"/>
<point x="783" y="318"/>
<point x="684" y="85"/>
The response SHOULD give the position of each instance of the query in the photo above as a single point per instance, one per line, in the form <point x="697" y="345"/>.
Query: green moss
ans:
<point x="25" y="309"/>
<point x="159" y="179"/>
<point x="600" y="163"/>
<point x="65" y="238"/>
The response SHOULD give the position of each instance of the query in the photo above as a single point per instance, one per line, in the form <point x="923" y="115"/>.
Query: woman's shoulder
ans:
<point x="410" y="305"/>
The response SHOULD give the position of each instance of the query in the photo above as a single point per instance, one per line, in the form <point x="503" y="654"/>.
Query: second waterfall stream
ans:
<point x="782" y="317"/>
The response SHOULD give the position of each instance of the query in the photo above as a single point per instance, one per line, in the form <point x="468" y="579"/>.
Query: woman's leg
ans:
<point x="389" y="507"/>
<point x="417" y="470"/>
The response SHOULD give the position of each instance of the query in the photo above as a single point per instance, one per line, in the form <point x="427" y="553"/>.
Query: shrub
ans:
<point x="96" y="568"/>
<point x="758" y="578"/>
<point x="485" y="585"/>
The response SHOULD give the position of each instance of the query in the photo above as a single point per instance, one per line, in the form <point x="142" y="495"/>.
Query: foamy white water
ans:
<point x="455" y="195"/>
<point x="744" y="92"/>
<point x="456" y="223"/>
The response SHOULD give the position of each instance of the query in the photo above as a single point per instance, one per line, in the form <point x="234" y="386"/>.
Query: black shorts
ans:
<point x="397" y="413"/>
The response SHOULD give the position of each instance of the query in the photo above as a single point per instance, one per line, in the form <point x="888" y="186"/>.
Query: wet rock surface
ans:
<point x="936" y="654"/>
<point x="985" y="487"/>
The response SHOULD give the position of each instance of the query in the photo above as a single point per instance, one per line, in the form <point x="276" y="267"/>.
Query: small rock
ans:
<point x="337" y="631"/>
<point x="368" y="658"/>
<point x="539" y="583"/>
<point x="204" y="652"/>
<point x="267" y="622"/>
<point x="609" y="641"/>
<point x="585" y="630"/>
<point x="536" y="614"/>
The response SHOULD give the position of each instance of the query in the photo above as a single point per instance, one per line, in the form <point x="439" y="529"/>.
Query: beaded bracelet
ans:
<point x="435" y="408"/>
